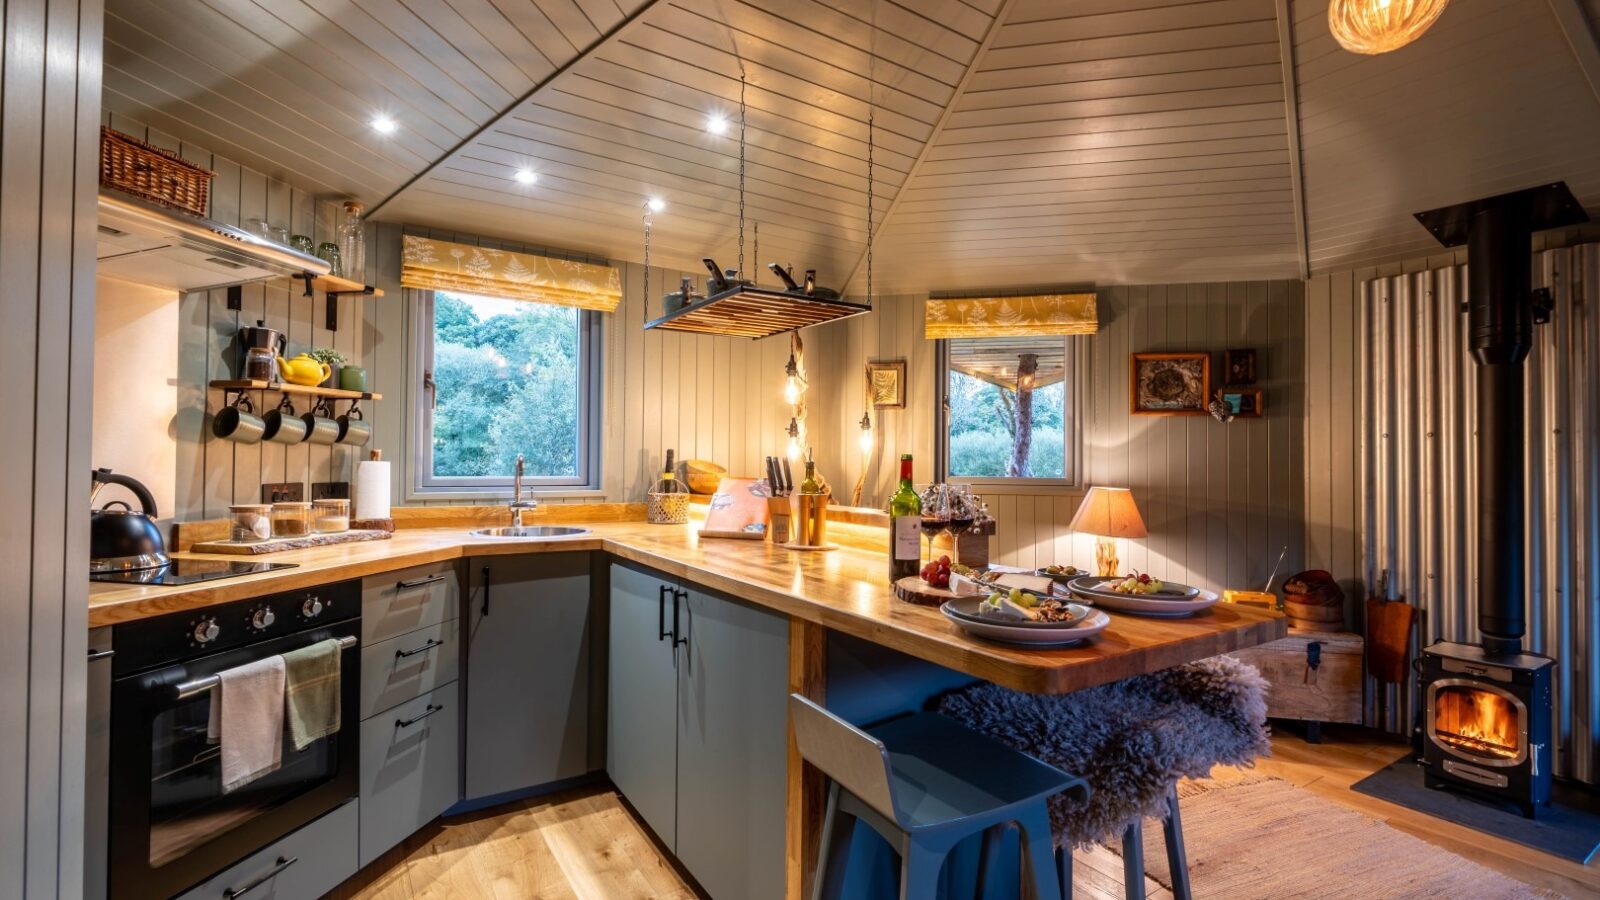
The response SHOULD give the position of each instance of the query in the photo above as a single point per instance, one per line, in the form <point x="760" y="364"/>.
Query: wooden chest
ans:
<point x="1315" y="675"/>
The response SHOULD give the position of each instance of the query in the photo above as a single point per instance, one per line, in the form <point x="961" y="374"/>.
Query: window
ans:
<point x="501" y="378"/>
<point x="992" y="433"/>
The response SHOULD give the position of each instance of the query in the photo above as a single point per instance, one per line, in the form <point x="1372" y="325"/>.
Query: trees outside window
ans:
<point x="508" y="377"/>
<point x="1009" y="405"/>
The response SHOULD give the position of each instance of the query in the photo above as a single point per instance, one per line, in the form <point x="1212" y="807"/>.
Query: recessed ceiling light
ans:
<point x="656" y="204"/>
<point x="384" y="125"/>
<point x="717" y="124"/>
<point x="525" y="176"/>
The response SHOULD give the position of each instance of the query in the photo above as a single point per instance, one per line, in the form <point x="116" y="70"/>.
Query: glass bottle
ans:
<point x="810" y="485"/>
<point x="353" y="243"/>
<point x="905" y="526"/>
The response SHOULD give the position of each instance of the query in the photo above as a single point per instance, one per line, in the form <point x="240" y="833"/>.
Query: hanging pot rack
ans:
<point x="744" y="308"/>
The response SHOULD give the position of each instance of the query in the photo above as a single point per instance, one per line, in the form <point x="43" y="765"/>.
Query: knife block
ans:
<point x="778" y="519"/>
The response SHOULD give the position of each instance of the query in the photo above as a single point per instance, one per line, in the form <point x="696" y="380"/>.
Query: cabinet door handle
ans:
<point x="407" y="723"/>
<point x="432" y="643"/>
<point x="101" y="654"/>
<point x="677" y="598"/>
<point x="284" y="862"/>
<point x="408" y="585"/>
<point x="486" y="592"/>
<point x="661" y="613"/>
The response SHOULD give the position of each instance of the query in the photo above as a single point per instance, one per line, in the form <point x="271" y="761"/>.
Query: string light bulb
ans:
<point x="1370" y="27"/>
<point x="791" y="382"/>
<point x="793" y="431"/>
<point x="866" y="432"/>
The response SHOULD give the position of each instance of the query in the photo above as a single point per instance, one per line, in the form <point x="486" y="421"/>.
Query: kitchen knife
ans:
<point x="788" y="475"/>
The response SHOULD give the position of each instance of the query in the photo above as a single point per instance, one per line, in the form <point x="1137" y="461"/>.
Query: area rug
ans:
<point x="1569" y="827"/>
<point x="1262" y="837"/>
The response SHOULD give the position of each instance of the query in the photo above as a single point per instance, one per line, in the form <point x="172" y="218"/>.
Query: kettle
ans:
<point x="304" y="370"/>
<point x="124" y="539"/>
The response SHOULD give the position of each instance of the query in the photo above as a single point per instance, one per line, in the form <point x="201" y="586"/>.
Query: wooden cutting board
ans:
<point x="276" y="545"/>
<point x="912" y="589"/>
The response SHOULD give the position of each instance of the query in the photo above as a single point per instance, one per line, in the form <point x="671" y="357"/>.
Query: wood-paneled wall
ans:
<point x="49" y="146"/>
<point x="1221" y="501"/>
<point x="213" y="473"/>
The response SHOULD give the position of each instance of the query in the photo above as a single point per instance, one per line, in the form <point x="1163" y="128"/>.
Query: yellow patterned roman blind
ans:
<point x="436" y="265"/>
<point x="1034" y="314"/>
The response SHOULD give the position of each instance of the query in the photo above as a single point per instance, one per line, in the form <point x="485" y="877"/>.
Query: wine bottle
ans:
<point x="905" y="526"/>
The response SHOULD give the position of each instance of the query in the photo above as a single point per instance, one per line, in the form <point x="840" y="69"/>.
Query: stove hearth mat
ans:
<point x="1569" y="827"/>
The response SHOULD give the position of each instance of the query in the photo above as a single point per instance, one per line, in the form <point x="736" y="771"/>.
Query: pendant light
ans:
<point x="1371" y="27"/>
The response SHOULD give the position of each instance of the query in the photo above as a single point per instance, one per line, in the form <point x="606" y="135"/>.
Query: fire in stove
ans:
<point x="1479" y="722"/>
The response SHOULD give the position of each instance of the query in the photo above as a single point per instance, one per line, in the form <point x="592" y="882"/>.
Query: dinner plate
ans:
<point x="1030" y="635"/>
<point x="967" y="608"/>
<point x="1192" y="600"/>
<point x="1097" y="586"/>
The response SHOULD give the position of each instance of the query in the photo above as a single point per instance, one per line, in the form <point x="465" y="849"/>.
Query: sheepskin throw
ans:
<point x="1130" y="740"/>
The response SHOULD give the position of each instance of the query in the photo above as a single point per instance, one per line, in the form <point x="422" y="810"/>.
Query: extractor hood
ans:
<point x="150" y="244"/>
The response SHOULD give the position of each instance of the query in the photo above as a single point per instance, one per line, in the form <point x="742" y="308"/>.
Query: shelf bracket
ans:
<point x="331" y="320"/>
<point x="308" y="278"/>
<point x="236" y="296"/>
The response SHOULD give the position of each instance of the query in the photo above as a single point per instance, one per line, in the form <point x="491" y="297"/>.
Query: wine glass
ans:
<point x="963" y="510"/>
<point x="935" y="513"/>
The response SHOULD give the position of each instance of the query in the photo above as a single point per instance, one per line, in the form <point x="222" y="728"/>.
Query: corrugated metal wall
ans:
<point x="1418" y="403"/>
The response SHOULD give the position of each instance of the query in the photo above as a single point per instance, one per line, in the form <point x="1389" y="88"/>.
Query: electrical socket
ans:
<point x="330" y="490"/>
<point x="283" y="492"/>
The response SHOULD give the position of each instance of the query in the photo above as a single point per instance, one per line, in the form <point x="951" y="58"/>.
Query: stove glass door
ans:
<point x="1478" y="722"/>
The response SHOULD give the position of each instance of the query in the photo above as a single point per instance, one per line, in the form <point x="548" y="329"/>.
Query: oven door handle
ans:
<point x="284" y="862"/>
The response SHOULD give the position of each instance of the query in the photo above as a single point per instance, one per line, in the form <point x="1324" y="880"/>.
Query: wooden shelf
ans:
<point x="330" y="284"/>
<point x="286" y="388"/>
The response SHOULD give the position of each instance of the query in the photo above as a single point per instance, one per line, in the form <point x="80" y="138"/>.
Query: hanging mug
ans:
<point x="353" y="428"/>
<point x="238" y="422"/>
<point x="282" y="425"/>
<point x="320" y="428"/>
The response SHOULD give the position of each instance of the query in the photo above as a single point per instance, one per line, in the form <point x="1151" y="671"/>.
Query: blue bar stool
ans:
<point x="925" y="784"/>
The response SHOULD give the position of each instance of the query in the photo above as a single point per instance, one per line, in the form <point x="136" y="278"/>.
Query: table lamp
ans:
<point x="1108" y="513"/>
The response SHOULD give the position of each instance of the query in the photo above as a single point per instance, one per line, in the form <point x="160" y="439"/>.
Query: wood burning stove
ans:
<point x="1487" y="713"/>
<point x="1486" y="723"/>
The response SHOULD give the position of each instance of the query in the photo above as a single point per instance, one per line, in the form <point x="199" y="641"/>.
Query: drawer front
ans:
<point x="308" y="863"/>
<point x="406" y="667"/>
<point x="410" y="773"/>
<point x="397" y="603"/>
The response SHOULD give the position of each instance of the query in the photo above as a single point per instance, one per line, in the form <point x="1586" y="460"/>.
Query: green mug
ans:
<point x="353" y="378"/>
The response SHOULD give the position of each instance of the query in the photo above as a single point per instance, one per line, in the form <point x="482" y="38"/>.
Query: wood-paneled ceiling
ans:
<point x="1018" y="142"/>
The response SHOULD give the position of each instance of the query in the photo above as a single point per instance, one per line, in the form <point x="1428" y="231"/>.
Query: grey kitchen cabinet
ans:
<point x="410" y="768"/>
<point x="307" y="862"/>
<point x="642" y="741"/>
<point x="527" y="672"/>
<point x="717" y="743"/>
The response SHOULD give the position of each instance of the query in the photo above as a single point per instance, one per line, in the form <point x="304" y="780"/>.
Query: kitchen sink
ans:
<point x="530" y="531"/>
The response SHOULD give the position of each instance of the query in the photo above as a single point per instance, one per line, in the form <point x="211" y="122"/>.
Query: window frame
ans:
<point x="1075" y="396"/>
<point x="422" y="484"/>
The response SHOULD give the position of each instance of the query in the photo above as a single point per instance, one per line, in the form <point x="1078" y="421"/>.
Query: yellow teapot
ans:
<point x="303" y="370"/>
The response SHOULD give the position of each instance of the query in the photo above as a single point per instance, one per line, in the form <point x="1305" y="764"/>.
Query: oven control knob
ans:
<point x="206" y="631"/>
<point x="263" y="619"/>
<point x="311" y="608"/>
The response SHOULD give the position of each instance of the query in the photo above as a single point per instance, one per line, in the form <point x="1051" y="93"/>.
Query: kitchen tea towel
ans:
<point x="247" y="717"/>
<point x="311" y="695"/>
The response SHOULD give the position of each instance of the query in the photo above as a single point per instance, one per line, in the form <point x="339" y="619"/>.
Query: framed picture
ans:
<point x="886" y="383"/>
<point x="1239" y="367"/>
<point x="1169" y="384"/>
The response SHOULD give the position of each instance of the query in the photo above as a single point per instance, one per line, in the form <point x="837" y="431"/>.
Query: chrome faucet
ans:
<point x="519" y="505"/>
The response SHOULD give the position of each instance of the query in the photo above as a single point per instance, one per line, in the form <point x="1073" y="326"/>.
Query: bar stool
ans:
<point x="925" y="784"/>
<point x="1132" y="741"/>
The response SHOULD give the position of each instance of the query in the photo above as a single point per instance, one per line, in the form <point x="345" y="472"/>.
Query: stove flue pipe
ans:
<point x="1498" y="232"/>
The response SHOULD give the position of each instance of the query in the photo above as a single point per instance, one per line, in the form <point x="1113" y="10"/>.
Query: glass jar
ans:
<point x="353" y="243"/>
<point x="328" y="252"/>
<point x="260" y="364"/>
<point x="291" y="519"/>
<point x="330" y="516"/>
<point x="252" y="522"/>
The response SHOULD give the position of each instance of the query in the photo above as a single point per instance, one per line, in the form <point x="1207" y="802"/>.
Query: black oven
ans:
<point x="171" y="825"/>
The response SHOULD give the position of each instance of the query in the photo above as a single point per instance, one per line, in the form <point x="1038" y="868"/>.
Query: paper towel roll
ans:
<point x="372" y="489"/>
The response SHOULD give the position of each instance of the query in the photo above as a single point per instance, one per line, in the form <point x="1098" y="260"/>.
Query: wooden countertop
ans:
<point x="845" y="590"/>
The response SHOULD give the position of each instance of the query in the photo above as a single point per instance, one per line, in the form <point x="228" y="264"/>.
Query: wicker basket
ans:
<point x="157" y="175"/>
<point x="668" y="503"/>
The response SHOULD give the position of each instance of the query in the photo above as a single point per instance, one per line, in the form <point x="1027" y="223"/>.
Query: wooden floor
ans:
<point x="587" y="845"/>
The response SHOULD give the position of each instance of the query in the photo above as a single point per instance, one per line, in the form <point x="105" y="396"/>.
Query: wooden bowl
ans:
<point x="702" y="476"/>
<point x="1313" y="614"/>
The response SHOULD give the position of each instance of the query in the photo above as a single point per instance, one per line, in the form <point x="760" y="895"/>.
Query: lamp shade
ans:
<point x="1378" y="26"/>
<point x="1109" y="512"/>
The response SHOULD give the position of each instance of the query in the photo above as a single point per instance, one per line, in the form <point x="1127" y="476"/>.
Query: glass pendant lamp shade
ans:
<point x="1379" y="26"/>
